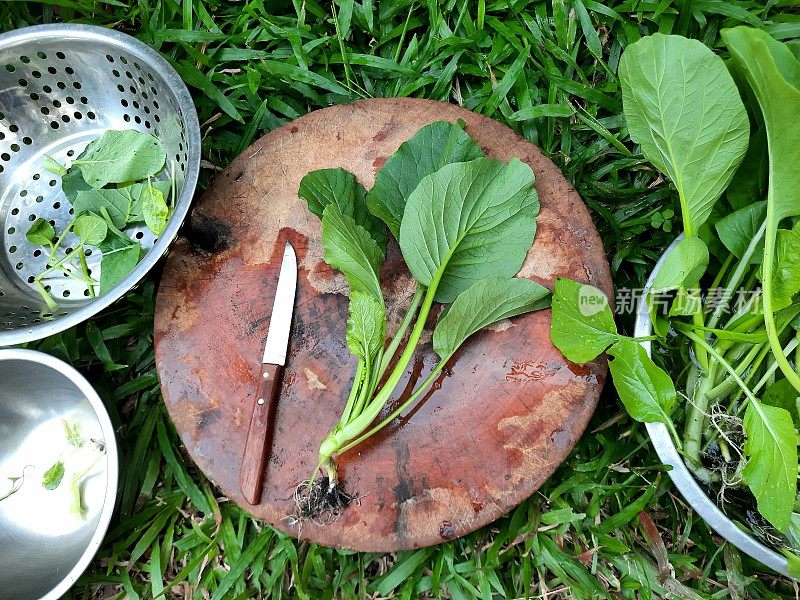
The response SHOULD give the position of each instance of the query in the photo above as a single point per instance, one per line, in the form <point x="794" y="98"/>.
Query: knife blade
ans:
<point x="259" y="436"/>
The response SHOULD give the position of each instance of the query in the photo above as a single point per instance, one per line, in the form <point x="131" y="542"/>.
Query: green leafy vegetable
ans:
<point x="72" y="183"/>
<point x="749" y="183"/>
<point x="117" y="263"/>
<point x="118" y="160"/>
<point x="734" y="278"/>
<point x="349" y="248"/>
<point x="469" y="221"/>
<point x="465" y="231"/>
<point x="582" y="325"/>
<point x="786" y="274"/>
<point x="646" y="390"/>
<point x="366" y="325"/>
<point x="773" y="74"/>
<point x="53" y="476"/>
<point x="154" y="209"/>
<point x="136" y="195"/>
<point x="41" y="233"/>
<point x="485" y="302"/>
<point x="783" y="395"/>
<point x="683" y="266"/>
<point x="738" y="228"/>
<point x="325" y="186"/>
<point x="116" y="202"/>
<point x="682" y="107"/>
<point x="91" y="229"/>
<point x="121" y="156"/>
<point x="771" y="469"/>
<point x="431" y="148"/>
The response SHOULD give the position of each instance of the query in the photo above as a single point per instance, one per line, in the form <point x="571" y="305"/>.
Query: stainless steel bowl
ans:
<point x="61" y="86"/>
<point x="680" y="474"/>
<point x="44" y="546"/>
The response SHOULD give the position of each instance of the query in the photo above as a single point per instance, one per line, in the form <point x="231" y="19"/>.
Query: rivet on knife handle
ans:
<point x="259" y="436"/>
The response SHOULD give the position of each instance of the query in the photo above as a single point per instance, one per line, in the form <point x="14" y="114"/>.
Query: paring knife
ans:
<point x="259" y="437"/>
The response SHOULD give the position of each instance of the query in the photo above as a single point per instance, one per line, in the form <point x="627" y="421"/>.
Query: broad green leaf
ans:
<point x="366" y="325"/>
<point x="349" y="248"/>
<point x="120" y="156"/>
<point x="41" y="233"/>
<point x="486" y="302"/>
<point x="115" y="201"/>
<point x="582" y="325"/>
<point x="91" y="229"/>
<point x="683" y="266"/>
<point x="432" y="147"/>
<point x="72" y="183"/>
<point x="53" y="476"/>
<point x="52" y="165"/>
<point x="116" y="263"/>
<point x="739" y="228"/>
<point x="646" y="391"/>
<point x="773" y="74"/>
<point x="337" y="186"/>
<point x="786" y="274"/>
<point x="783" y="395"/>
<point x="771" y="469"/>
<point x="154" y="209"/>
<point x="468" y="221"/>
<point x="684" y="110"/>
<point x="749" y="183"/>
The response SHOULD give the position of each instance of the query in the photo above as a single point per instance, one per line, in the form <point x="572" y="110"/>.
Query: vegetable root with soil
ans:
<point x="464" y="224"/>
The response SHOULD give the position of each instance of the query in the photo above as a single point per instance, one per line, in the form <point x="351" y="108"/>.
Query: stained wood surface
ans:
<point x="495" y="425"/>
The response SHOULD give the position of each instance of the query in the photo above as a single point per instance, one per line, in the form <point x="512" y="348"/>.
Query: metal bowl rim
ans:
<point x="112" y="470"/>
<point x="188" y="113"/>
<point x="680" y="474"/>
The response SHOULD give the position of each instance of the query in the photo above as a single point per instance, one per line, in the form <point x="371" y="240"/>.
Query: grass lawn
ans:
<point x="608" y="524"/>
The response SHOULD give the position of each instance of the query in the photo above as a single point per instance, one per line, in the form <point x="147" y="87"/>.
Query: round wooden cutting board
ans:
<point x="494" y="426"/>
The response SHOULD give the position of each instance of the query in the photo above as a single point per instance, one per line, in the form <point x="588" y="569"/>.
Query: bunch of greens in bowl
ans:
<point x="116" y="183"/>
<point x="724" y="303"/>
<point x="464" y="223"/>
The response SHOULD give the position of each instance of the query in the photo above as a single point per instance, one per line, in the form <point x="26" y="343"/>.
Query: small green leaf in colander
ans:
<point x="91" y="229"/>
<point x="121" y="156"/>
<point x="41" y="233"/>
<point x="154" y="209"/>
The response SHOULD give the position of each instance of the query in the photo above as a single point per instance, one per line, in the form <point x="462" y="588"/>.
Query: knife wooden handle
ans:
<point x="259" y="437"/>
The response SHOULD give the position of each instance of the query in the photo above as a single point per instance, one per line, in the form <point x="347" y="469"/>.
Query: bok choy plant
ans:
<point x="464" y="223"/>
<point x="728" y="138"/>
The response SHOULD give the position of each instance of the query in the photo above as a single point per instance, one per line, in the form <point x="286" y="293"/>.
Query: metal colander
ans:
<point x="61" y="86"/>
